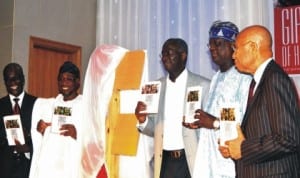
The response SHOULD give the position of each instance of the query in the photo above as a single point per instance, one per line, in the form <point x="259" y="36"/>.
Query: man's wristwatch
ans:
<point x="216" y="124"/>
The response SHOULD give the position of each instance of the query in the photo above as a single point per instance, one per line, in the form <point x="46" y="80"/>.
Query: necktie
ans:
<point x="16" y="109"/>
<point x="251" y="90"/>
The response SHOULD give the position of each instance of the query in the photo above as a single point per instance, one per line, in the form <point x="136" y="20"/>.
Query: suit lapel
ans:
<point x="258" y="91"/>
<point x="8" y="105"/>
<point x="162" y="97"/>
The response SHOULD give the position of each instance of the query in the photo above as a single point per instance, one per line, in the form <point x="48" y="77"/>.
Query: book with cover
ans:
<point x="61" y="115"/>
<point x="228" y="120"/>
<point x="150" y="92"/>
<point x="14" y="129"/>
<point x="193" y="102"/>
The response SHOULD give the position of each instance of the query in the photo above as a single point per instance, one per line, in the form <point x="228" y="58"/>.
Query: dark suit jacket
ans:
<point x="7" y="159"/>
<point x="271" y="126"/>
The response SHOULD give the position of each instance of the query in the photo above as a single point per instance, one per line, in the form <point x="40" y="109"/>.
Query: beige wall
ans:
<point x="6" y="35"/>
<point x="68" y="21"/>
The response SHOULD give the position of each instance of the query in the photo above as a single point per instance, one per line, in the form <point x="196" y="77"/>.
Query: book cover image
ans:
<point x="193" y="102"/>
<point x="228" y="120"/>
<point x="228" y="114"/>
<point x="150" y="92"/>
<point x="14" y="129"/>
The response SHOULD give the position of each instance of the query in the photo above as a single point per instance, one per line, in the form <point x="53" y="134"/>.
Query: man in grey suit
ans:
<point x="268" y="141"/>
<point x="174" y="145"/>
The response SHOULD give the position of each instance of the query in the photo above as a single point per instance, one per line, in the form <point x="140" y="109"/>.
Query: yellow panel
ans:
<point x="129" y="71"/>
<point x="126" y="135"/>
<point x="122" y="136"/>
<point x="112" y="160"/>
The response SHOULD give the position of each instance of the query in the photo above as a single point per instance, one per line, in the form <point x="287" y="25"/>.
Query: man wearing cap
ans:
<point x="58" y="152"/>
<point x="228" y="87"/>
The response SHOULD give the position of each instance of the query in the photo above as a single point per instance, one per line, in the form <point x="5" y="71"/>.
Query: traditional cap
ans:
<point x="68" y="66"/>
<point x="225" y="30"/>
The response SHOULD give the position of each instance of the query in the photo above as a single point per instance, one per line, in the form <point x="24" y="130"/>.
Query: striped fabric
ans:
<point x="271" y="126"/>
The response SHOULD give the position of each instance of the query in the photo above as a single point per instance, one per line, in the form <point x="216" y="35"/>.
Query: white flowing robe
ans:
<point x="56" y="155"/>
<point x="97" y="92"/>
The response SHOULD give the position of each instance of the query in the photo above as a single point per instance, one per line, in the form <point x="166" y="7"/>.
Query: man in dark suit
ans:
<point x="268" y="142"/>
<point x="15" y="160"/>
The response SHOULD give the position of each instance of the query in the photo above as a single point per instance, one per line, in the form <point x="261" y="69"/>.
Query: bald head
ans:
<point x="259" y="35"/>
<point x="253" y="47"/>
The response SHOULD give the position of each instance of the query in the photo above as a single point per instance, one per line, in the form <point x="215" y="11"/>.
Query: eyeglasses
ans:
<point x="216" y="43"/>
<point x="168" y="53"/>
<point x="233" y="46"/>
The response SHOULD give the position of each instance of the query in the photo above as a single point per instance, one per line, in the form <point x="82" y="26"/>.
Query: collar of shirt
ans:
<point x="259" y="72"/>
<point x="180" y="79"/>
<point x="21" y="96"/>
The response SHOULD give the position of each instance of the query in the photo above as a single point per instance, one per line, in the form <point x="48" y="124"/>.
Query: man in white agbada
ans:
<point x="56" y="129"/>
<point x="228" y="86"/>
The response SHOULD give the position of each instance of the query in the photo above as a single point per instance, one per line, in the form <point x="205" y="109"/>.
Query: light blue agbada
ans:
<point x="226" y="87"/>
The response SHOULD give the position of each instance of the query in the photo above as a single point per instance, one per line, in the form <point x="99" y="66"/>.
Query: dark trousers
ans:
<point x="23" y="166"/>
<point x="17" y="167"/>
<point x="174" y="165"/>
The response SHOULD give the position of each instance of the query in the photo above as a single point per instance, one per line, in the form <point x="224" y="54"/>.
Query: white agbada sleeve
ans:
<point x="41" y="110"/>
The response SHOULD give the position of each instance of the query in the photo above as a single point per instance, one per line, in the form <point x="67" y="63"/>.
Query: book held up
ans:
<point x="228" y="120"/>
<point x="14" y="129"/>
<point x="150" y="92"/>
<point x="61" y="115"/>
<point x="193" y="102"/>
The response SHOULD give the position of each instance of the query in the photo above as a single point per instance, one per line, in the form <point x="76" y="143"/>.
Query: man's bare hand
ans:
<point x="21" y="148"/>
<point x="224" y="151"/>
<point x="42" y="125"/>
<point x="68" y="130"/>
<point x="234" y="145"/>
<point x="202" y="120"/>
<point x="139" y="114"/>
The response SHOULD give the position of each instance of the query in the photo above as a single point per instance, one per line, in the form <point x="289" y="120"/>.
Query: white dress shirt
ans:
<point x="259" y="72"/>
<point x="21" y="96"/>
<point x="173" y="113"/>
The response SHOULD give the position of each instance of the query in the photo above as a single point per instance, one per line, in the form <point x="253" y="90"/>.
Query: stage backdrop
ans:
<point x="287" y="40"/>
